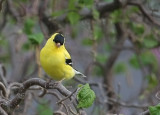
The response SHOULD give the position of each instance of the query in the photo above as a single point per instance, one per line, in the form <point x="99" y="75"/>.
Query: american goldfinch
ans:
<point x="55" y="59"/>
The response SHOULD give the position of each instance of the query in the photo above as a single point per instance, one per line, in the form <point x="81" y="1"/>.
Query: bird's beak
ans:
<point x="58" y="45"/>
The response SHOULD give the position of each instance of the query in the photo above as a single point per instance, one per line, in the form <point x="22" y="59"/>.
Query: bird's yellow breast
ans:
<point x="53" y="63"/>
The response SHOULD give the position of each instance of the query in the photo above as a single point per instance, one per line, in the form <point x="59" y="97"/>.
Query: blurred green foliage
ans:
<point x="138" y="29"/>
<point x="97" y="71"/>
<point x="95" y="14"/>
<point x="28" y="26"/>
<point x="97" y="32"/>
<point x="108" y="0"/>
<point x="86" y="3"/>
<point x="152" y="81"/>
<point x="132" y="10"/>
<point x="58" y="13"/>
<point x="134" y="62"/>
<point x="36" y="39"/>
<point x="73" y="17"/>
<point x="44" y="109"/>
<point x="120" y="68"/>
<point x="150" y="41"/>
<point x="154" y="110"/>
<point x="101" y="58"/>
<point x="146" y="58"/>
<point x="87" y="42"/>
<point x="116" y="16"/>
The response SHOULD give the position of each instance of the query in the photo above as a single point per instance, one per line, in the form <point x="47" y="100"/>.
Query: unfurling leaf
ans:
<point x="85" y="96"/>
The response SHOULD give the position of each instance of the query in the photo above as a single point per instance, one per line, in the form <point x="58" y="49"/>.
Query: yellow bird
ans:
<point x="55" y="59"/>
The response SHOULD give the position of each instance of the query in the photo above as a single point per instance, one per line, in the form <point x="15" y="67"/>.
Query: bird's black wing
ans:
<point x="69" y="62"/>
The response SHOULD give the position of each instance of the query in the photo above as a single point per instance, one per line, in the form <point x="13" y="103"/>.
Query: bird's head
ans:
<point x="58" y="40"/>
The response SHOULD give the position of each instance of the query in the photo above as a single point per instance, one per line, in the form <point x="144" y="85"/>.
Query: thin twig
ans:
<point x="145" y="112"/>
<point x="70" y="109"/>
<point x="67" y="97"/>
<point x="157" y="95"/>
<point x="2" y="74"/>
<point x="3" y="88"/>
<point x="144" y="11"/>
<point x="2" y="112"/>
<point x="127" y="105"/>
<point x="65" y="108"/>
<point x="44" y="91"/>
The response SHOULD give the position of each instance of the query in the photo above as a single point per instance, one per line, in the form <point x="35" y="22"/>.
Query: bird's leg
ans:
<point x="60" y="82"/>
<point x="48" y="81"/>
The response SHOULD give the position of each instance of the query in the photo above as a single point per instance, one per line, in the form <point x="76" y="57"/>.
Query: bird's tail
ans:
<point x="79" y="73"/>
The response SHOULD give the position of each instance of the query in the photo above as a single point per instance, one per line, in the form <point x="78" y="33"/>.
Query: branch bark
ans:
<point x="121" y="36"/>
<point x="144" y="12"/>
<point x="10" y="105"/>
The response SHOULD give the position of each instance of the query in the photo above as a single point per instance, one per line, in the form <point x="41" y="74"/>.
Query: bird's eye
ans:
<point x="59" y="39"/>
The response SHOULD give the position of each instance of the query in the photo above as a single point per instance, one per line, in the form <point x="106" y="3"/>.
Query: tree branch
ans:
<point x="2" y="112"/>
<point x="144" y="11"/>
<point x="10" y="105"/>
<point x="3" y="89"/>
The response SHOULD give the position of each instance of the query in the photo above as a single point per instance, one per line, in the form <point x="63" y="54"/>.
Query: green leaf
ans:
<point x="150" y="41"/>
<point x="154" y="110"/>
<point x="134" y="62"/>
<point x="120" y="68"/>
<point x="85" y="96"/>
<point x="36" y="39"/>
<point x="73" y="17"/>
<point x="28" y="25"/>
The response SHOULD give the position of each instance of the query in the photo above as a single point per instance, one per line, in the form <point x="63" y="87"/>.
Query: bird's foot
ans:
<point x="60" y="82"/>
<point x="48" y="82"/>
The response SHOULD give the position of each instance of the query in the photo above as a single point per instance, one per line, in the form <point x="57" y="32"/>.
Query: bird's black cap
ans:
<point x="59" y="39"/>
